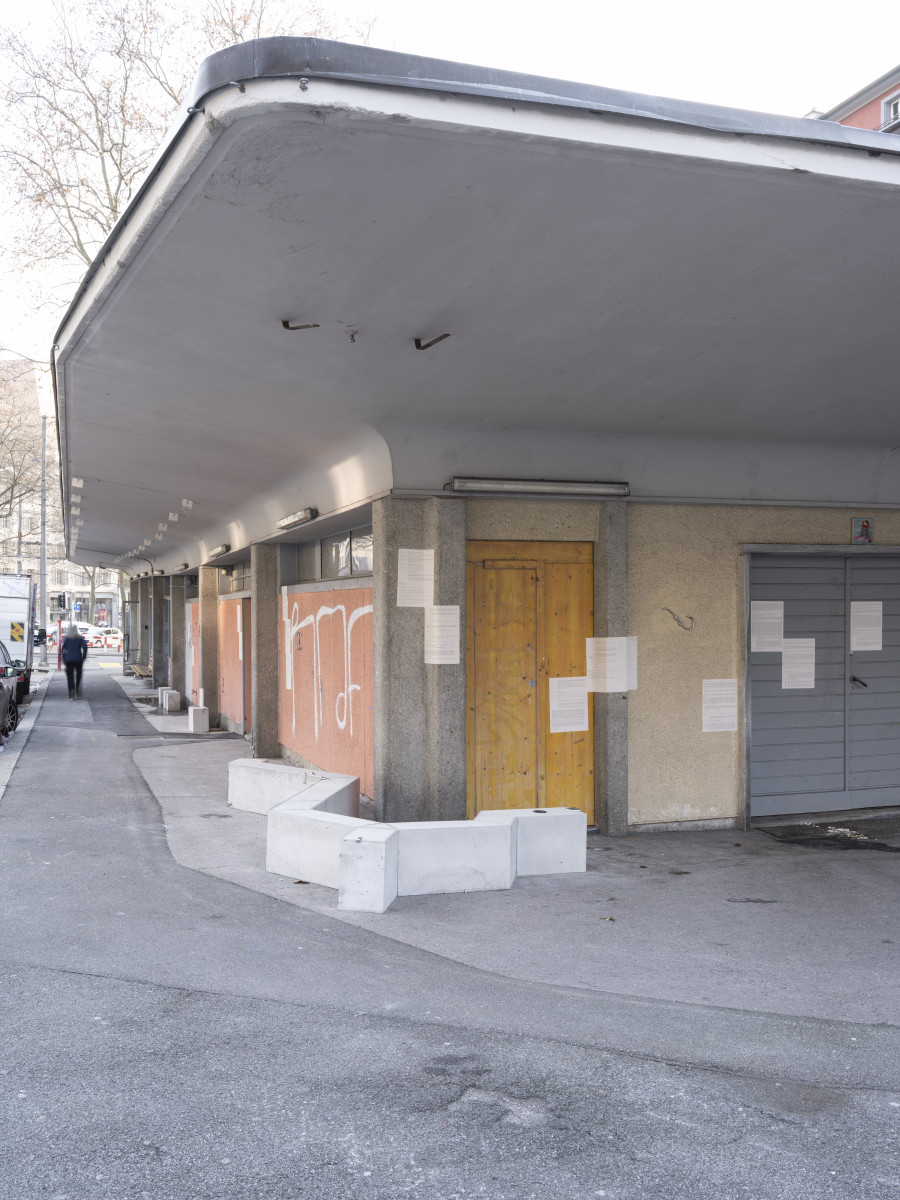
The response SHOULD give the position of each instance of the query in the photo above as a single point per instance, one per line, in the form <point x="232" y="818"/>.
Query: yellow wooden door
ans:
<point x="530" y="608"/>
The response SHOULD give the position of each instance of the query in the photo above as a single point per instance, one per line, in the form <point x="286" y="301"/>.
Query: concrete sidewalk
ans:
<point x="729" y="919"/>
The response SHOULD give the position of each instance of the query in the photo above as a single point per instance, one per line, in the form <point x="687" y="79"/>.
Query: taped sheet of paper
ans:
<point x="798" y="663"/>
<point x="865" y="625"/>
<point x="766" y="625"/>
<point x="569" y="705"/>
<point x="442" y="633"/>
<point x="720" y="706"/>
<point x="415" y="578"/>
<point x="611" y="664"/>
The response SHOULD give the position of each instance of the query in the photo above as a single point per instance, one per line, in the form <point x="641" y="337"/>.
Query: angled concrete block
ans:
<point x="454" y="856"/>
<point x="549" y="841"/>
<point x="304" y="843"/>
<point x="258" y="784"/>
<point x="198" y="719"/>
<point x="368" y="869"/>
<point x="171" y="700"/>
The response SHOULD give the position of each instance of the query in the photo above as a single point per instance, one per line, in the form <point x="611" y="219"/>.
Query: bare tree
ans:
<point x="20" y="437"/>
<point x="86" y="114"/>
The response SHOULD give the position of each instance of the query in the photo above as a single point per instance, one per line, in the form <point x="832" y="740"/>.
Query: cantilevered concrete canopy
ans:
<point x="695" y="300"/>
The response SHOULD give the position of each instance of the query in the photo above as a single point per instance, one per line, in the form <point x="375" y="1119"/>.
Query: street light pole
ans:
<point x="43" y="624"/>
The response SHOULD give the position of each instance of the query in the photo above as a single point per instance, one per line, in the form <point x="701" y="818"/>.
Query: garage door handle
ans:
<point x="861" y="682"/>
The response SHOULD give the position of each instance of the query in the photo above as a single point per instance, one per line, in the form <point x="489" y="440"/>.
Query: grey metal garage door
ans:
<point x="835" y="745"/>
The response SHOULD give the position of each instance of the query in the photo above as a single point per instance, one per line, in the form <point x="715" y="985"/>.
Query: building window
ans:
<point x="347" y="554"/>
<point x="890" y="112"/>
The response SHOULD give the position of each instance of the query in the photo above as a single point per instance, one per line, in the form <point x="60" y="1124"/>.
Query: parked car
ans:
<point x="9" y="685"/>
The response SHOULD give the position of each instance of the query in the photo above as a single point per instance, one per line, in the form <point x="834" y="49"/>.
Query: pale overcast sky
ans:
<point x="785" y="57"/>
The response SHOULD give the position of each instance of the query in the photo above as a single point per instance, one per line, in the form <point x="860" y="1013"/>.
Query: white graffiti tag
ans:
<point x="343" y="704"/>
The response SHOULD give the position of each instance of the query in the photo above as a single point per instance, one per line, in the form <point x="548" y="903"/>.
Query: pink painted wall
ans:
<point x="870" y="115"/>
<point x="325" y="680"/>
<point x="234" y="660"/>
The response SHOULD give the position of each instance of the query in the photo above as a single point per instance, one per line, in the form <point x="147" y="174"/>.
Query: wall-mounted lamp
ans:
<point x="225" y="548"/>
<point x="182" y="567"/>
<point x="540" y="487"/>
<point x="158" y="571"/>
<point x="298" y="518"/>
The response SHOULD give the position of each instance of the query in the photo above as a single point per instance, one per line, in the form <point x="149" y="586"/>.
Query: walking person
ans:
<point x="74" y="652"/>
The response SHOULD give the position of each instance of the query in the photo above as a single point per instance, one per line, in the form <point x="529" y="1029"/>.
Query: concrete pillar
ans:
<point x="143" y="621"/>
<point x="611" y="711"/>
<point x="132" y="626"/>
<point x="157" y="639"/>
<point x="177" y="644"/>
<point x="420" y="711"/>
<point x="208" y="590"/>
<point x="264" y="650"/>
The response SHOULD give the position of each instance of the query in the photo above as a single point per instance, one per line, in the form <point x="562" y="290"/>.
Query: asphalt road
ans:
<point x="166" y="1034"/>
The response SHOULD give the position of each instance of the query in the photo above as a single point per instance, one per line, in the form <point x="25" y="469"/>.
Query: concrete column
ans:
<point x="176" y="634"/>
<point x="611" y="712"/>
<point x="420" y="711"/>
<point x="208" y="590"/>
<point x="143" y="626"/>
<point x="264" y="650"/>
<point x="157" y="640"/>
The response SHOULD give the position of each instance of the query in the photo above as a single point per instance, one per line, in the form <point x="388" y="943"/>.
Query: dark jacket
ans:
<point x="74" y="650"/>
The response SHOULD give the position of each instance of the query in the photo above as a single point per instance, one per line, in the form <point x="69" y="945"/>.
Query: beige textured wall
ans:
<point x="687" y="558"/>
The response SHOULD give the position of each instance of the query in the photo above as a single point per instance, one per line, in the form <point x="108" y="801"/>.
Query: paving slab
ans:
<point x="732" y="919"/>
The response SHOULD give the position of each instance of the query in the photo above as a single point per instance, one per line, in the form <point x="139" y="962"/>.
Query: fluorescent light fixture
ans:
<point x="220" y="550"/>
<point x="75" y="498"/>
<point x="159" y="571"/>
<point x="541" y="487"/>
<point x="162" y="527"/>
<point x="298" y="518"/>
<point x="75" y="510"/>
<point x="157" y="537"/>
<point x="77" y="483"/>
<point x="173" y="516"/>
<point x="182" y="567"/>
<point x="187" y="504"/>
<point x="80" y="521"/>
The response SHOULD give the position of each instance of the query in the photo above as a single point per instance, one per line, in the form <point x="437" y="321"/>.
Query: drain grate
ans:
<point x="863" y="834"/>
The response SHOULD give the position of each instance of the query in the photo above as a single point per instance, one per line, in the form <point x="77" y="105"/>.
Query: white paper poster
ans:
<point x="442" y="633"/>
<point x="766" y="625"/>
<point x="415" y="578"/>
<point x="611" y="664"/>
<point x="720" y="706"/>
<point x="865" y="625"/>
<point x="798" y="663"/>
<point x="569" y="705"/>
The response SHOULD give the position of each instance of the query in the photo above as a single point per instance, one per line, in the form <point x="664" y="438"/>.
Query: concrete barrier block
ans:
<point x="549" y="841"/>
<point x="368" y="869"/>
<point x="304" y="843"/>
<point x="198" y="720"/>
<point x="454" y="856"/>
<point x="171" y="700"/>
<point x="258" y="784"/>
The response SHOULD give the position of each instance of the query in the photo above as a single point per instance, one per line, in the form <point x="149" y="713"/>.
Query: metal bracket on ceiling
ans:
<point x="420" y="345"/>
<point x="288" y="325"/>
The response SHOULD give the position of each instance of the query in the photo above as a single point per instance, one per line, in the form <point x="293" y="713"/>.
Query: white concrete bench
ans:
<point x="304" y="841"/>
<point x="258" y="784"/>
<point x="549" y="841"/>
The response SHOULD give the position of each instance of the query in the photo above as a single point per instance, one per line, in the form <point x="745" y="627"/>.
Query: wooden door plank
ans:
<point x="471" y="803"/>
